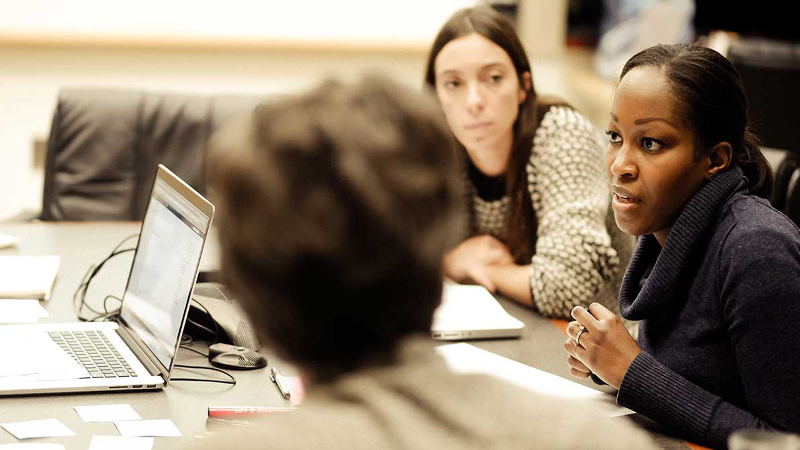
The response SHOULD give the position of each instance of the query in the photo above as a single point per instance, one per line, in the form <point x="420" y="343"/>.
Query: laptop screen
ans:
<point x="164" y="270"/>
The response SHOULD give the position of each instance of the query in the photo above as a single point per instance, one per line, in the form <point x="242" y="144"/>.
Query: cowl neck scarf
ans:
<point x="647" y="287"/>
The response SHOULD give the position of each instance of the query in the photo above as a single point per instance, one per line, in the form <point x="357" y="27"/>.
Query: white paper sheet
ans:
<point x="158" y="427"/>
<point x="31" y="446"/>
<point x="33" y="356"/>
<point x="28" y="276"/>
<point x="21" y="311"/>
<point x="37" y="429"/>
<point x="107" y="413"/>
<point x="120" y="443"/>
<point x="7" y="241"/>
<point x="465" y="358"/>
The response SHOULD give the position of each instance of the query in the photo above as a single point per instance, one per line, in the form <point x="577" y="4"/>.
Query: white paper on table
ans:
<point x="28" y="276"/>
<point x="120" y="443"/>
<point x="158" y="427"/>
<point x="107" y="413"/>
<point x="21" y="311"/>
<point x="466" y="358"/>
<point x="30" y="356"/>
<point x="37" y="429"/>
<point x="7" y="241"/>
<point x="31" y="446"/>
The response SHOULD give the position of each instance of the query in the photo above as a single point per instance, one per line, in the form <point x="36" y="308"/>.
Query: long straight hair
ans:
<point x="485" y="21"/>
<point x="710" y="94"/>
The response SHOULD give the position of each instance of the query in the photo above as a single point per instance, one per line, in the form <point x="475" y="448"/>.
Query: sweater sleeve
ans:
<point x="760" y="293"/>
<point x="570" y="196"/>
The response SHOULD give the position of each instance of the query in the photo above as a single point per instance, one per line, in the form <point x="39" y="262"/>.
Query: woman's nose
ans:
<point x="475" y="99"/>
<point x="622" y="163"/>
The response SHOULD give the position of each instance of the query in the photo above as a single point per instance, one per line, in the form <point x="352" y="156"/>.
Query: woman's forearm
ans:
<point x="512" y="281"/>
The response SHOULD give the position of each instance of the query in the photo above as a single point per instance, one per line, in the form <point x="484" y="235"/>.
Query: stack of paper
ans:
<point x="21" y="311"/>
<point x="28" y="276"/>
<point x="7" y="241"/>
<point x="465" y="358"/>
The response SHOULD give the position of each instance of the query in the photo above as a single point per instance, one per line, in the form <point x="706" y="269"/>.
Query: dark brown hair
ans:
<point x="710" y="94"/>
<point x="521" y="225"/>
<point x="335" y="209"/>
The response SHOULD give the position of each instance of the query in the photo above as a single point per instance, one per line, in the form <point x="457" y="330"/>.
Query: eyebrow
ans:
<point x="644" y="121"/>
<point x="484" y="67"/>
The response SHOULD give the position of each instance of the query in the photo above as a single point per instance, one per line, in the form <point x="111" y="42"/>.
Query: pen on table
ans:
<point x="227" y="411"/>
<point x="276" y="376"/>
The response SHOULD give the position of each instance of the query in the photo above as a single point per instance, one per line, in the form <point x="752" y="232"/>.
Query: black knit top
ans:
<point x="719" y="306"/>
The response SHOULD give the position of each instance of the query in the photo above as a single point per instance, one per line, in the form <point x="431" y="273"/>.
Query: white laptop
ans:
<point x="137" y="350"/>
<point x="472" y="312"/>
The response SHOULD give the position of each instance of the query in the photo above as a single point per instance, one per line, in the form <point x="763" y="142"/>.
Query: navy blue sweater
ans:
<point x="720" y="312"/>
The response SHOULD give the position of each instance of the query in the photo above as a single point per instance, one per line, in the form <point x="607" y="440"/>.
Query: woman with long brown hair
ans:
<point x="541" y="230"/>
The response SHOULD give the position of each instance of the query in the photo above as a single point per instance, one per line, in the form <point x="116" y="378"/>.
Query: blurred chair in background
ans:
<point x="105" y="144"/>
<point x="770" y="73"/>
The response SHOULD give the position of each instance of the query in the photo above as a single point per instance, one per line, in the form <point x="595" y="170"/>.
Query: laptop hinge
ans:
<point x="138" y="348"/>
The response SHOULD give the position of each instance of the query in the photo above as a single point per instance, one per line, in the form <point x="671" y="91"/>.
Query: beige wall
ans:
<point x="33" y="70"/>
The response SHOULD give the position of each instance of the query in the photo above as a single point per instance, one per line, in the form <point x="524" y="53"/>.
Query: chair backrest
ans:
<point x="770" y="73"/>
<point x="786" y="193"/>
<point x="105" y="145"/>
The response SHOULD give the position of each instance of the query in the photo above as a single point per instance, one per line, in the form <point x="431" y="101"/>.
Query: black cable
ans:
<point x="216" y="325"/>
<point x="194" y="350"/>
<point x="80" y="302"/>
<point x="202" y="327"/>
<point x="232" y="381"/>
<point x="105" y="304"/>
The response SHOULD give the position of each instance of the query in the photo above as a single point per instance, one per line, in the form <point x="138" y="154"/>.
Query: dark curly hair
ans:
<point x="335" y="209"/>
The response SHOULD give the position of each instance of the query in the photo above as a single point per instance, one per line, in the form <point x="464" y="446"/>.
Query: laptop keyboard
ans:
<point x="94" y="352"/>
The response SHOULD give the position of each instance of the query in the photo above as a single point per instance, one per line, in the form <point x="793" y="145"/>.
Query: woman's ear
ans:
<point x="525" y="86"/>
<point x="719" y="159"/>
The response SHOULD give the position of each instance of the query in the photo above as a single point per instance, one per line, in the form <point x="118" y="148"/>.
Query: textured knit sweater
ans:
<point x="418" y="403"/>
<point x="719" y="307"/>
<point x="580" y="254"/>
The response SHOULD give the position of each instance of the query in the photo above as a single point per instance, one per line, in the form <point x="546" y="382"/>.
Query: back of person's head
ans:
<point x="334" y="209"/>
<point x="709" y="92"/>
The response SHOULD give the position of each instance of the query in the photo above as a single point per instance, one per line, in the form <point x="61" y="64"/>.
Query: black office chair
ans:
<point x="770" y="73"/>
<point x="786" y="193"/>
<point x="105" y="145"/>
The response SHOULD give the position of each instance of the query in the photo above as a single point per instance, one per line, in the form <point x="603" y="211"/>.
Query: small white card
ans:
<point x="7" y="241"/>
<point x="158" y="427"/>
<point x="107" y="413"/>
<point x="21" y="311"/>
<point x="120" y="443"/>
<point x="37" y="429"/>
<point x="31" y="446"/>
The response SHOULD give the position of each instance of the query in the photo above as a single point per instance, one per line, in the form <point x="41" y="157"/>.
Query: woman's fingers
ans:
<point x="600" y="312"/>
<point x="584" y="317"/>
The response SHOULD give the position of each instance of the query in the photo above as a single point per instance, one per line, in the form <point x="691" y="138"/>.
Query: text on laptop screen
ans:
<point x="163" y="270"/>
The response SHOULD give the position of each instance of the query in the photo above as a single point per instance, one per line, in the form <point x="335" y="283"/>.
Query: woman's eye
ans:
<point x="451" y="84"/>
<point x="651" y="145"/>
<point x="495" y="78"/>
<point x="613" y="137"/>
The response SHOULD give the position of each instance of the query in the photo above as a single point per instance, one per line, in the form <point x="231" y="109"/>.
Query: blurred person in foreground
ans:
<point x="335" y="208"/>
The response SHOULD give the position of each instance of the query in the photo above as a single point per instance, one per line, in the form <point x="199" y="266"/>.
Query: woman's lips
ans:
<point x="475" y="126"/>
<point x="624" y="200"/>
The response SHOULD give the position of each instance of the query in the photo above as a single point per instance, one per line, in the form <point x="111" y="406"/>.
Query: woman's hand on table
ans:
<point x="468" y="261"/>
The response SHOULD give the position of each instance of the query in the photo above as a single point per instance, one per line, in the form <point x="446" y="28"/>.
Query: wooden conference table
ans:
<point x="83" y="244"/>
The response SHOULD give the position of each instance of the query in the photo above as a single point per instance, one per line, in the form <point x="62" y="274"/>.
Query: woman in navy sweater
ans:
<point x="715" y="279"/>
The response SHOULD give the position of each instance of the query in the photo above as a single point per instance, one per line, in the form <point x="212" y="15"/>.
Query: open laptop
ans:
<point x="472" y="312"/>
<point x="137" y="350"/>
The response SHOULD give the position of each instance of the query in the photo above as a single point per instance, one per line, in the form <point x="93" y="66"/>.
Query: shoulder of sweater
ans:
<point x="750" y="221"/>
<point x="560" y="117"/>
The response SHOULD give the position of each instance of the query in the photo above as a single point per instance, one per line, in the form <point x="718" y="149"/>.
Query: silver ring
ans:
<point x="578" y="336"/>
